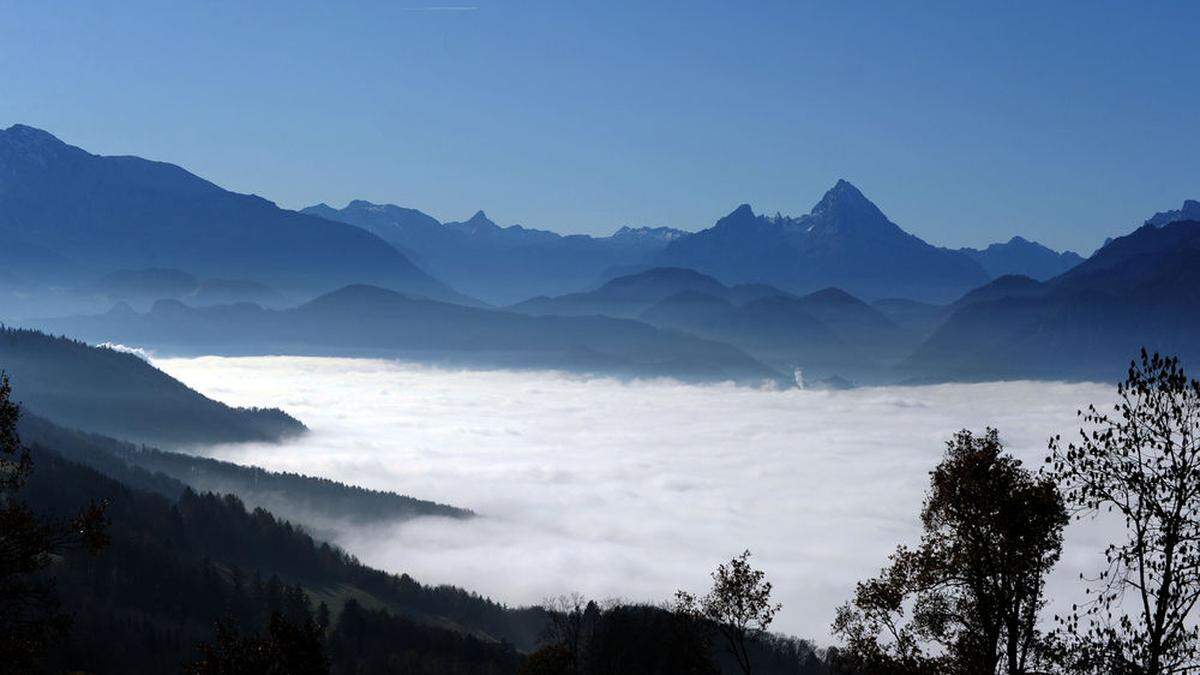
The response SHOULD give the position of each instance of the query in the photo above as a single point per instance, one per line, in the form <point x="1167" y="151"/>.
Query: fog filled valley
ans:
<point x="633" y="489"/>
<point x="533" y="338"/>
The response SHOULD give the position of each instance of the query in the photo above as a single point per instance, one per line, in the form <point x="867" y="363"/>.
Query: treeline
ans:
<point x="173" y="571"/>
<point x="119" y="394"/>
<point x="588" y="638"/>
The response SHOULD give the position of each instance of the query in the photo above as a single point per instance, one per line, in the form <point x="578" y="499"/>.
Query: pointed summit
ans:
<point x="845" y="210"/>
<point x="476" y="224"/>
<point x="739" y="220"/>
<point x="1190" y="211"/>
<point x="31" y="142"/>
<point x="742" y="213"/>
<point x="844" y="198"/>
<point x="28" y="134"/>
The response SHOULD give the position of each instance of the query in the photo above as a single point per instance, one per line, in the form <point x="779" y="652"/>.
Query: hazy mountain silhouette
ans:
<point x="119" y="394"/>
<point x="918" y="318"/>
<point x="500" y="264"/>
<point x="826" y="333"/>
<point x="110" y="213"/>
<point x="845" y="242"/>
<point x="1189" y="211"/>
<point x="143" y="287"/>
<point x="631" y="294"/>
<point x="1142" y="289"/>
<point x="1021" y="256"/>
<point x="370" y="321"/>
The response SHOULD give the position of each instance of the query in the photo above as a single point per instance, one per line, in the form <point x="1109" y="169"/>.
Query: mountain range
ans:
<point x="73" y="221"/>
<point x="845" y="241"/>
<point x="132" y="250"/>
<point x="80" y="216"/>
<point x="1026" y="258"/>
<point x="827" y="333"/>
<point x="500" y="264"/>
<point x="370" y="321"/>
<point x="1138" y="291"/>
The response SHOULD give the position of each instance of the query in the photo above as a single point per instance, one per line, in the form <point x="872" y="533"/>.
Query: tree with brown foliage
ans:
<point x="967" y="599"/>
<point x="29" y="616"/>
<point x="738" y="605"/>
<point x="1141" y="462"/>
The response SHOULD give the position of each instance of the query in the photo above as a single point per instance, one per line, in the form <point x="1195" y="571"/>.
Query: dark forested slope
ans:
<point x="119" y="394"/>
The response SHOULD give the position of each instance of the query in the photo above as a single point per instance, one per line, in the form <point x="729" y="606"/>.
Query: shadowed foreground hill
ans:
<point x="1140" y="290"/>
<point x="119" y="394"/>
<point x="369" y="321"/>
<point x="177" y="566"/>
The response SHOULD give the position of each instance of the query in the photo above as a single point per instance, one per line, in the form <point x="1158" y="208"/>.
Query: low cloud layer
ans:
<point x="635" y="489"/>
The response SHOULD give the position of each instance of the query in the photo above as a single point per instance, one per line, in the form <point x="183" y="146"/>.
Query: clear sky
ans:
<point x="965" y="122"/>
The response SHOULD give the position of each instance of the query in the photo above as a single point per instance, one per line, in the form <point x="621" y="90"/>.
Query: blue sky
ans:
<point x="965" y="122"/>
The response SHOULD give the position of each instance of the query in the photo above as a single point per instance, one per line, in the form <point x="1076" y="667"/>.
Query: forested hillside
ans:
<point x="115" y="393"/>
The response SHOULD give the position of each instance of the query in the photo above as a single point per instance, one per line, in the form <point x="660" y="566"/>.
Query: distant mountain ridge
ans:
<point x="500" y="264"/>
<point x="1189" y="211"/>
<point x="826" y="333"/>
<point x="104" y="214"/>
<point x="148" y="285"/>
<point x="1140" y="290"/>
<point x="1026" y="258"/>
<point x="363" y="320"/>
<point x="844" y="242"/>
<point x="629" y="295"/>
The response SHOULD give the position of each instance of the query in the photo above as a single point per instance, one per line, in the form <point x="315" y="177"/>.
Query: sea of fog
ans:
<point x="635" y="489"/>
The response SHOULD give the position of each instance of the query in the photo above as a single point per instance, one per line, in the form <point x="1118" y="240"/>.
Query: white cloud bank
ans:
<point x="635" y="489"/>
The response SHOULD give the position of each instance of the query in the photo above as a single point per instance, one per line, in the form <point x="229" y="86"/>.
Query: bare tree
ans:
<point x="572" y="624"/>
<point x="1141" y="461"/>
<point x="738" y="605"/>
